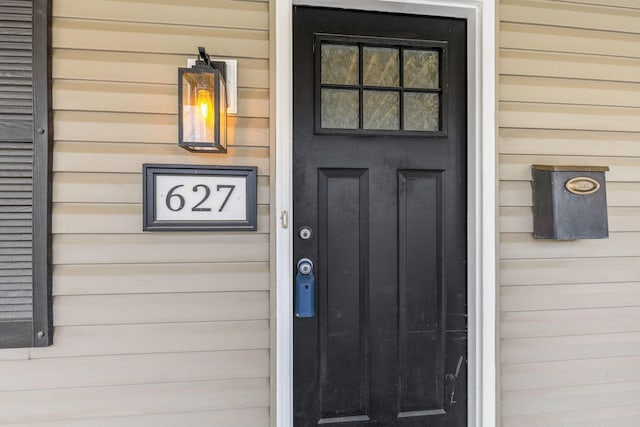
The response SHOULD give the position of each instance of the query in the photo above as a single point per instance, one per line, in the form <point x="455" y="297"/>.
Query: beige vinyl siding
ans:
<point x="150" y="328"/>
<point x="570" y="311"/>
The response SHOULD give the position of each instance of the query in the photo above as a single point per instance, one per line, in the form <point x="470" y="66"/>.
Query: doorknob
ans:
<point x="305" y="289"/>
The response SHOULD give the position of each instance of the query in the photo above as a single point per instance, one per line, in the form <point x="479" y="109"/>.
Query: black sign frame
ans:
<point x="150" y="223"/>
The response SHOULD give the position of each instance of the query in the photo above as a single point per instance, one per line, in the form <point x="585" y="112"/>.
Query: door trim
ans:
<point x="481" y="199"/>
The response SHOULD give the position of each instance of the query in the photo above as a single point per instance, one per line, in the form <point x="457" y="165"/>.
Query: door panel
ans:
<point x="342" y="238"/>
<point x="420" y="290"/>
<point x="382" y="184"/>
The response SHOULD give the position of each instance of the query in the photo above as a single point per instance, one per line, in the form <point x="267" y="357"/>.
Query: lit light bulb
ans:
<point x="205" y="105"/>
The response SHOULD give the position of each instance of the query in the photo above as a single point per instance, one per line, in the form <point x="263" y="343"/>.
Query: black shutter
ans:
<point x="24" y="195"/>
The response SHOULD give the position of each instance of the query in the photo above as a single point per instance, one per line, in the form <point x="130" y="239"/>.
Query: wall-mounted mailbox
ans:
<point x="569" y="202"/>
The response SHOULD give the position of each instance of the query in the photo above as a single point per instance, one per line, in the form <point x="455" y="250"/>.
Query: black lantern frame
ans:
<point x="202" y="106"/>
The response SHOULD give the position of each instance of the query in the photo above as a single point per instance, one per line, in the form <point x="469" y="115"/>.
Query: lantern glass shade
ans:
<point x="202" y="110"/>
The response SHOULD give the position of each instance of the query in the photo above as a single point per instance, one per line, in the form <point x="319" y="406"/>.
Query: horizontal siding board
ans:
<point x="520" y="219"/>
<point x="531" y="402"/>
<point x="523" y="245"/>
<point x="568" y="143"/>
<point x="574" y="40"/>
<point x="72" y="218"/>
<point x="79" y="95"/>
<point x="619" y="194"/>
<point x="568" y="66"/>
<point x="575" y="15"/>
<point x="254" y="417"/>
<point x="546" y="349"/>
<point x="155" y="38"/>
<point x="568" y="91"/>
<point x="75" y="341"/>
<point x="547" y="323"/>
<point x="114" y="188"/>
<point x="157" y="248"/>
<point x="518" y="167"/>
<point x="215" y="13"/>
<point x="629" y="4"/>
<point x="159" y="308"/>
<point x="159" y="278"/>
<point x="569" y="117"/>
<point x="618" y="416"/>
<point x="531" y="376"/>
<point x="140" y="67"/>
<point x="100" y="371"/>
<point x="11" y="354"/>
<point x="129" y="158"/>
<point x="153" y="128"/>
<point x="133" y="400"/>
<point x="569" y="271"/>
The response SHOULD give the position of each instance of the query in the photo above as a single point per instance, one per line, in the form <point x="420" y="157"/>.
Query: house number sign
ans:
<point x="199" y="198"/>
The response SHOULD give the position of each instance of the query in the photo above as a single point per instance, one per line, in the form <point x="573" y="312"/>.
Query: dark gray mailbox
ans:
<point x="569" y="202"/>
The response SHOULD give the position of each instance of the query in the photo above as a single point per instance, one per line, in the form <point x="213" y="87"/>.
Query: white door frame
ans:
<point x="481" y="200"/>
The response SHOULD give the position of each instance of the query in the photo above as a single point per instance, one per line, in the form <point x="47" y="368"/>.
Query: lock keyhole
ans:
<point x="305" y="232"/>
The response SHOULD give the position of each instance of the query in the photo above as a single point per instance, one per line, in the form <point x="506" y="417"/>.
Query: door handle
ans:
<point x="305" y="289"/>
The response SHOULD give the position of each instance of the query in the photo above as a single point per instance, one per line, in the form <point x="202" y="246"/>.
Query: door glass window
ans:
<point x="380" y="109"/>
<point x="421" y="69"/>
<point x="340" y="64"/>
<point x="378" y="86"/>
<point x="380" y="66"/>
<point x="421" y="111"/>
<point x="340" y="108"/>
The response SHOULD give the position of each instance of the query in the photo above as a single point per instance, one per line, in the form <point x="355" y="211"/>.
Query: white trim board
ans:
<point x="481" y="200"/>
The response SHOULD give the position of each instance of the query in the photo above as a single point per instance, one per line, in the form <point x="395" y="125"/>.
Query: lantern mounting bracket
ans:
<point x="204" y="56"/>
<point x="229" y="70"/>
<point x="205" y="60"/>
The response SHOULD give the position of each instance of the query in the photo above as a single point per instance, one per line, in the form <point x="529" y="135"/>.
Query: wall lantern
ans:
<point x="202" y="109"/>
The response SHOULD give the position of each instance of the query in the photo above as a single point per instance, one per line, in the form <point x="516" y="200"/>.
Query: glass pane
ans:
<point x="421" y="69"/>
<point x="340" y="109"/>
<point x="198" y="118"/>
<point x="421" y="111"/>
<point x="339" y="64"/>
<point x="380" y="66"/>
<point x="380" y="110"/>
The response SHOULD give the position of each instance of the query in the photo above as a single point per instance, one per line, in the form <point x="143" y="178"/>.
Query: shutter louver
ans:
<point x="16" y="173"/>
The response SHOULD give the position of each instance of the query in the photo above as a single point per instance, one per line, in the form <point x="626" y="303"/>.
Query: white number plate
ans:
<point x="203" y="198"/>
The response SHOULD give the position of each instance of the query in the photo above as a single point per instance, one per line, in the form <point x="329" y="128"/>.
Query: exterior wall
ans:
<point x="150" y="328"/>
<point x="570" y="311"/>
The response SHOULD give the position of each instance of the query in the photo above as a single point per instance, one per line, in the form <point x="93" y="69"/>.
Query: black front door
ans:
<point x="379" y="179"/>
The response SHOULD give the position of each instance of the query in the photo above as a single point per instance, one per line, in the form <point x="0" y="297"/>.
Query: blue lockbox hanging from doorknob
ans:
<point x="305" y="289"/>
